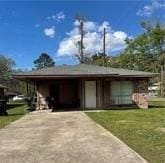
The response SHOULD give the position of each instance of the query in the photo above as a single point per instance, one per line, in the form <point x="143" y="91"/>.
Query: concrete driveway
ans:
<point x="63" y="137"/>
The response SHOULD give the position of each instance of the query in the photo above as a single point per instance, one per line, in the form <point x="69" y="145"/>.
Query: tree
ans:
<point x="6" y="66"/>
<point x="98" y="59"/>
<point x="147" y="48"/>
<point x="43" y="61"/>
<point x="6" y="70"/>
<point x="81" y="55"/>
<point x="146" y="52"/>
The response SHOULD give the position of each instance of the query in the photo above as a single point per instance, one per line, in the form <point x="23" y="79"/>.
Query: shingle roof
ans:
<point x="83" y="70"/>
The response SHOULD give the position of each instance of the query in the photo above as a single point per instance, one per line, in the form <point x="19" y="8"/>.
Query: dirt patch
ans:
<point x="162" y="129"/>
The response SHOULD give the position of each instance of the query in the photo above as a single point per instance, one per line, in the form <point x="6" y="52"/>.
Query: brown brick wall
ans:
<point x="140" y="93"/>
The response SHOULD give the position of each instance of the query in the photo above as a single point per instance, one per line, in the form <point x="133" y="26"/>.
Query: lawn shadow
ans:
<point x="93" y="109"/>
<point x="13" y="105"/>
<point x="15" y="114"/>
<point x="155" y="106"/>
<point x="122" y="108"/>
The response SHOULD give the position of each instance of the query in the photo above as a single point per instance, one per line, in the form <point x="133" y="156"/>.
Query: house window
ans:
<point x="121" y="92"/>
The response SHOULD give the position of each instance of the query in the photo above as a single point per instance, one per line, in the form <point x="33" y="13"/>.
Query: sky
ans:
<point x="29" y="28"/>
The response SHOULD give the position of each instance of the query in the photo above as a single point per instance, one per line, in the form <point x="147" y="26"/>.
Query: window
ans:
<point x="121" y="92"/>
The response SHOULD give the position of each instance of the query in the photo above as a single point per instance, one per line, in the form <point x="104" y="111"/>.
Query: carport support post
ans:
<point x="27" y="88"/>
<point x="83" y="94"/>
<point x="34" y="87"/>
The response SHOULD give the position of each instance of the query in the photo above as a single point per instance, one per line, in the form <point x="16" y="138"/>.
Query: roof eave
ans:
<point x="26" y="77"/>
<point x="140" y="76"/>
<point x="62" y="76"/>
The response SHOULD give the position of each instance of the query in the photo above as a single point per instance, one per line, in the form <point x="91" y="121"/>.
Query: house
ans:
<point x="2" y="100"/>
<point x="88" y="86"/>
<point x="10" y="94"/>
<point x="154" y="89"/>
<point x="2" y="91"/>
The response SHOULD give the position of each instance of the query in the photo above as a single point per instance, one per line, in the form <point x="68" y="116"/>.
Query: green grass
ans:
<point x="15" y="112"/>
<point x="142" y="129"/>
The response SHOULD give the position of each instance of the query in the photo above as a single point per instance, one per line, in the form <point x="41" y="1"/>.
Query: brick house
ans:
<point x="2" y="91"/>
<point x="88" y="86"/>
<point x="3" y="100"/>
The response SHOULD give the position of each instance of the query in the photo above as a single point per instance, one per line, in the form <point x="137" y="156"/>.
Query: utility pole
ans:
<point x="82" y="39"/>
<point x="104" y="47"/>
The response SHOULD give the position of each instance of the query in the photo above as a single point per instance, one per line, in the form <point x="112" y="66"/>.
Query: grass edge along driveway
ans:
<point x="141" y="129"/>
<point x="15" y="112"/>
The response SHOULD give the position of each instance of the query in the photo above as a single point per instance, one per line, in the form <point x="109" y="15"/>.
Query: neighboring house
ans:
<point x="10" y="94"/>
<point x="2" y="91"/>
<point x="88" y="86"/>
<point x="154" y="89"/>
<point x="3" y="100"/>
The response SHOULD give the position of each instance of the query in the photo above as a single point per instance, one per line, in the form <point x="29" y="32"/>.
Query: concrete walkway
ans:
<point x="63" y="137"/>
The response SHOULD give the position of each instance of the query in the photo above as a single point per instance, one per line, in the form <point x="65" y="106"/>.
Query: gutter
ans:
<point x="84" y="75"/>
<point x="61" y="76"/>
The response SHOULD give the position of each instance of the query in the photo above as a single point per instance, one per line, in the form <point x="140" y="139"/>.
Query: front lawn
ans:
<point x="142" y="129"/>
<point x="15" y="112"/>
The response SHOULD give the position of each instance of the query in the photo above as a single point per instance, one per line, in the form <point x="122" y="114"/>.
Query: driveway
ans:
<point x="63" y="137"/>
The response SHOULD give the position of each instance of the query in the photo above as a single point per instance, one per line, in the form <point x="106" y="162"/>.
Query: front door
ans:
<point x="90" y="94"/>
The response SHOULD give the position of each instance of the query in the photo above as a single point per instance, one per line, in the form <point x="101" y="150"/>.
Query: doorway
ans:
<point x="90" y="94"/>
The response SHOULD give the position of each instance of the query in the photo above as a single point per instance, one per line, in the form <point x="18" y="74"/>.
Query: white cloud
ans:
<point x="60" y="15"/>
<point x="120" y="35"/>
<point x="88" y="25"/>
<point x="148" y="10"/>
<point x="105" y="25"/>
<point x="50" y="32"/>
<point x="57" y="17"/>
<point x="93" y="39"/>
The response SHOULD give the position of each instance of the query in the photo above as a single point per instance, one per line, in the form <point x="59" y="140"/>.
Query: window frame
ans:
<point x="121" y="97"/>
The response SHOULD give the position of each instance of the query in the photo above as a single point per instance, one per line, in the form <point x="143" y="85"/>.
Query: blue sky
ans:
<point x="29" y="28"/>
